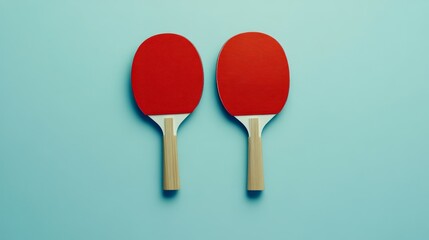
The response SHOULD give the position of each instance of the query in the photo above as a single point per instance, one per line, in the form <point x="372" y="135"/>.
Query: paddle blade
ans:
<point x="167" y="75"/>
<point x="252" y="75"/>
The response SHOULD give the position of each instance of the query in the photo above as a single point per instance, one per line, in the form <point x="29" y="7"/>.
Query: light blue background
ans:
<point x="348" y="157"/>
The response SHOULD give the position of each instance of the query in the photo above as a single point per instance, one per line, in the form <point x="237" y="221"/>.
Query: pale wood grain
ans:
<point x="171" y="179"/>
<point x="255" y="174"/>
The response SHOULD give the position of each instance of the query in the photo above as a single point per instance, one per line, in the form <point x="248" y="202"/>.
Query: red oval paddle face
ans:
<point x="252" y="75"/>
<point x="167" y="75"/>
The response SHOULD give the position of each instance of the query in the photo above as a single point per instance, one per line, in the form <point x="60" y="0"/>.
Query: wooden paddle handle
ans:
<point x="255" y="174"/>
<point x="170" y="166"/>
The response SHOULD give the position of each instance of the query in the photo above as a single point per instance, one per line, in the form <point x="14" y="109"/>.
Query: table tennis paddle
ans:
<point x="253" y="85"/>
<point x="167" y="83"/>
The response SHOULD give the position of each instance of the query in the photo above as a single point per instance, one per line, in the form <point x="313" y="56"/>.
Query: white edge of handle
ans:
<point x="263" y="120"/>
<point x="177" y="120"/>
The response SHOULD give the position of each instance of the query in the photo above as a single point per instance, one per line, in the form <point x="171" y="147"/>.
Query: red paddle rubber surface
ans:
<point x="252" y="75"/>
<point x="167" y="75"/>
